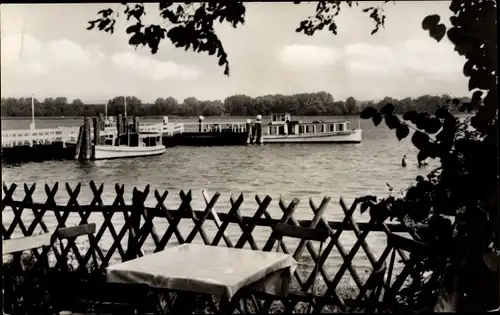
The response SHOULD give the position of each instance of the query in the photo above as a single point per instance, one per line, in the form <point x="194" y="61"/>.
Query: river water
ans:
<point x="289" y="171"/>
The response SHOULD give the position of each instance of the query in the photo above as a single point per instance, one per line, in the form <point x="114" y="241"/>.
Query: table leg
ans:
<point x="228" y="306"/>
<point x="185" y="303"/>
<point x="224" y="305"/>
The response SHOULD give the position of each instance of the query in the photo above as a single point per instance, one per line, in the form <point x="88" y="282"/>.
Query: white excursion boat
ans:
<point x="137" y="145"/>
<point x="127" y="145"/>
<point x="282" y="129"/>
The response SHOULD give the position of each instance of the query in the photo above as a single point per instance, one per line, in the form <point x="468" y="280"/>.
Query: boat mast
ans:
<point x="32" y="95"/>
<point x="22" y="40"/>
<point x="128" y="125"/>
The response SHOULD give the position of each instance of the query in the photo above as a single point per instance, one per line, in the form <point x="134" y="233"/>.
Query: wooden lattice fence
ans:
<point x="139" y="225"/>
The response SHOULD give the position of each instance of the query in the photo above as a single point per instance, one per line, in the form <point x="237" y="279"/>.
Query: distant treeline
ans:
<point x="304" y="104"/>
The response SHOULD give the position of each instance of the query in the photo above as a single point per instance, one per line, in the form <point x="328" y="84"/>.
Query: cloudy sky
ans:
<point x="59" y="57"/>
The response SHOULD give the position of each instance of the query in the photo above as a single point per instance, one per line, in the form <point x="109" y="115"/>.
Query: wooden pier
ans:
<point x="281" y="129"/>
<point x="29" y="137"/>
<point x="77" y="142"/>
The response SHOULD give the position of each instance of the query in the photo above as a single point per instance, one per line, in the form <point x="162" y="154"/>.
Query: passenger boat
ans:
<point x="129" y="145"/>
<point x="282" y="129"/>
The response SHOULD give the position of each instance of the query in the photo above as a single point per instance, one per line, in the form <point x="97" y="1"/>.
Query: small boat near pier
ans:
<point x="136" y="145"/>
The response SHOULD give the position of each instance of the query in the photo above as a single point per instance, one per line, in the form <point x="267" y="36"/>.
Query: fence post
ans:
<point x="135" y="224"/>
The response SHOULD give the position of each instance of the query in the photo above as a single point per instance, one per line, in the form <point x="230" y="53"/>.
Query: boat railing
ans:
<point x="309" y="128"/>
<point x="172" y="128"/>
<point x="216" y="127"/>
<point x="149" y="135"/>
<point x="151" y="127"/>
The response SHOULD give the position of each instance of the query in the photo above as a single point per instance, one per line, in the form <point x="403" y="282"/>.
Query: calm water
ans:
<point x="293" y="170"/>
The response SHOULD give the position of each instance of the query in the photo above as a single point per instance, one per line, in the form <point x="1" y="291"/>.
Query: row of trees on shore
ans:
<point x="304" y="104"/>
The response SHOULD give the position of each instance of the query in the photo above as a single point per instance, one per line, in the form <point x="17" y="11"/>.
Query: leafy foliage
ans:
<point x="191" y="25"/>
<point x="459" y="200"/>
<point x="327" y="11"/>
<point x="308" y="104"/>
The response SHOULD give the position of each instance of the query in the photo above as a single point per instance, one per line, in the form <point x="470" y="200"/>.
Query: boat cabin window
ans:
<point x="331" y="127"/>
<point x="310" y="128"/>
<point x="273" y="130"/>
<point x="281" y="130"/>
<point x="340" y="127"/>
<point x="280" y="117"/>
<point x="320" y="128"/>
<point x="301" y="129"/>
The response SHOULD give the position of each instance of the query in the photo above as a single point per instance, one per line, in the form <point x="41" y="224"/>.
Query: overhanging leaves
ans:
<point x="377" y="118"/>
<point x="438" y="32"/>
<point x="367" y="113"/>
<point x="430" y="21"/>
<point x="420" y="140"/>
<point x="422" y="156"/>
<point x="411" y="115"/>
<point x="388" y="109"/>
<point x="402" y="131"/>
<point x="392" y="121"/>
<point x="191" y="26"/>
<point x="432" y="126"/>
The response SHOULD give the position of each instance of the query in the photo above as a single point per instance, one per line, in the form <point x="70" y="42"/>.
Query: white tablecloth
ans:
<point x="208" y="269"/>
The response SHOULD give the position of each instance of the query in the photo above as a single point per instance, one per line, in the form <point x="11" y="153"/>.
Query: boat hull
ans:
<point x="115" y="152"/>
<point x="353" y="136"/>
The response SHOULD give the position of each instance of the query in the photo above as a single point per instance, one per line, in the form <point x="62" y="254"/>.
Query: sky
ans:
<point x="46" y="50"/>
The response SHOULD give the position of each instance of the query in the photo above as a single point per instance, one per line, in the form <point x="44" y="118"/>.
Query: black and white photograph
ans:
<point x="249" y="157"/>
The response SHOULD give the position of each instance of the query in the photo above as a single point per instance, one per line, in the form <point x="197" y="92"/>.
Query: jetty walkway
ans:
<point x="65" y="135"/>
<point x="64" y="143"/>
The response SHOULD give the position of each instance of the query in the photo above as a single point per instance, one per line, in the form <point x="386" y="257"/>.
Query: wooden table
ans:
<point x="16" y="245"/>
<point x="209" y="270"/>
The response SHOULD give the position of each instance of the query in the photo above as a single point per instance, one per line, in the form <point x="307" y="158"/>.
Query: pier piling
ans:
<point x="254" y="133"/>
<point x="95" y="125"/>
<point x="249" y="131"/>
<point x="200" y="123"/>
<point x="88" y="139"/>
<point x="101" y="122"/>
<point x="97" y="136"/>
<point x="79" y="143"/>
<point x="258" y="130"/>
<point x="119" y="128"/>
<point x="127" y="129"/>
<point x="136" y="124"/>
